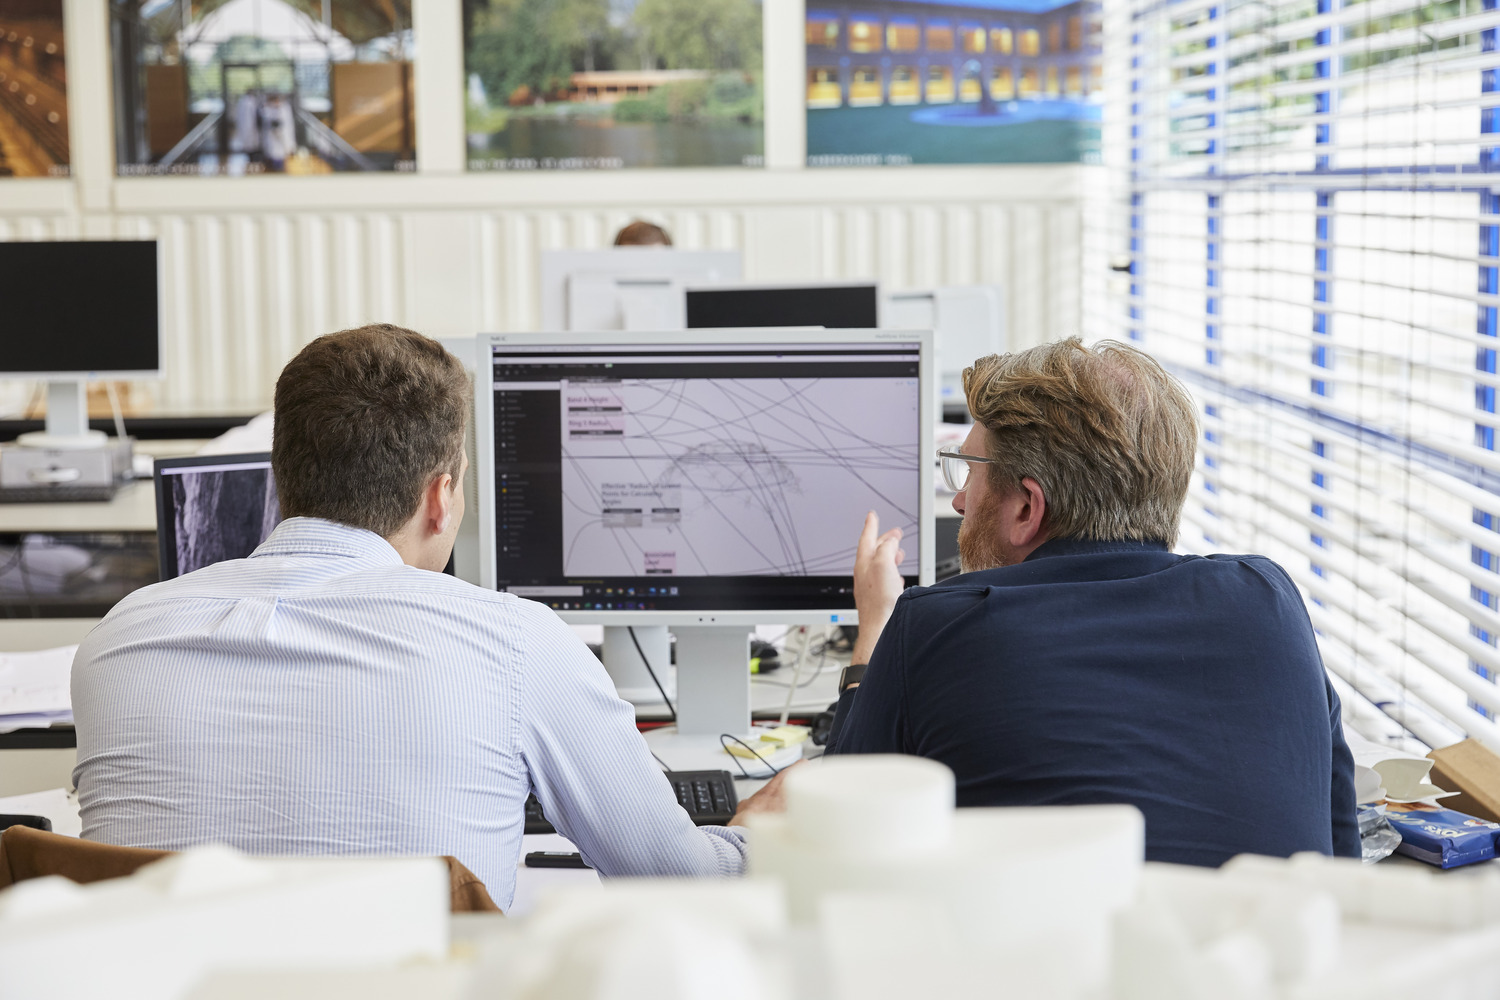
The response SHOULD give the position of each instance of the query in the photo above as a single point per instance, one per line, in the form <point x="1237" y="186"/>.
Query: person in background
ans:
<point x="1077" y="659"/>
<point x="336" y="693"/>
<point x="642" y="234"/>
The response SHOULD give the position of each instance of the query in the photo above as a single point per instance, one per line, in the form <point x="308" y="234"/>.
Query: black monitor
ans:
<point x="854" y="306"/>
<point x="210" y="508"/>
<point x="80" y="309"/>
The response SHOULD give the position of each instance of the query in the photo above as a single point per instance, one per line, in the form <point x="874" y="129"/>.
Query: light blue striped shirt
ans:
<point x="322" y="697"/>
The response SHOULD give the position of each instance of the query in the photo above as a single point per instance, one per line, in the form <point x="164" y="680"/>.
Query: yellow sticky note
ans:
<point x="786" y="736"/>
<point x="753" y="752"/>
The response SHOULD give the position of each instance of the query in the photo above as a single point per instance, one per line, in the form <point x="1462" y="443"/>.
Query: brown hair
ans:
<point x="642" y="234"/>
<point x="365" y="419"/>
<point x="1107" y="433"/>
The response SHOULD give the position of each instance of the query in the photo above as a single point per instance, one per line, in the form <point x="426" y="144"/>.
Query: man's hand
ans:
<point x="877" y="583"/>
<point x="770" y="799"/>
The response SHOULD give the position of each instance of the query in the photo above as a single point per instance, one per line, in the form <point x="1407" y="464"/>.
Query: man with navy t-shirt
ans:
<point x="1077" y="659"/>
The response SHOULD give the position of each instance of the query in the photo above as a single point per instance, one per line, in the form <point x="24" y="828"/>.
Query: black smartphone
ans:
<point x="554" y="859"/>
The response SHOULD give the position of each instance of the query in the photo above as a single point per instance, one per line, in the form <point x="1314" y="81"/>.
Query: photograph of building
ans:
<point x="606" y="84"/>
<point x="946" y="81"/>
<point x="33" y="90"/>
<point x="236" y="87"/>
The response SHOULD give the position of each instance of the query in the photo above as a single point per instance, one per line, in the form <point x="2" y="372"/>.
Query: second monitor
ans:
<point x="845" y="305"/>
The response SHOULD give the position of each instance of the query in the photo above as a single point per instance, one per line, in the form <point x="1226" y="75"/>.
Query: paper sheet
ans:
<point x="34" y="687"/>
<point x="57" y="804"/>
<point x="1382" y="772"/>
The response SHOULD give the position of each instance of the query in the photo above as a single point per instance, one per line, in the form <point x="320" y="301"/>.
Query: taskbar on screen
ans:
<point x="689" y="593"/>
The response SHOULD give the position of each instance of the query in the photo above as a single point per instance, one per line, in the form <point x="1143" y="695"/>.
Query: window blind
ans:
<point x="1305" y="201"/>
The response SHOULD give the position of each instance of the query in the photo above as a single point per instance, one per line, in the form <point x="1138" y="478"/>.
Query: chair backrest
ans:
<point x="8" y="820"/>
<point x="28" y="853"/>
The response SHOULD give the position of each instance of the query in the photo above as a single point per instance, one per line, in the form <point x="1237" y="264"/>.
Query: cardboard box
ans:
<point x="1472" y="769"/>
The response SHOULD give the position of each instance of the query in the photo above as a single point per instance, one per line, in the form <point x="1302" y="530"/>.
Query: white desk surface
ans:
<point x="132" y="509"/>
<point x="19" y="635"/>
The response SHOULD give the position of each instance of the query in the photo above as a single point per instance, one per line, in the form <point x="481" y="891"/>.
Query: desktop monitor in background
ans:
<point x="707" y="482"/>
<point x="210" y="508"/>
<point x="75" y="311"/>
<point x="967" y="322"/>
<point x="626" y="288"/>
<point x="849" y="305"/>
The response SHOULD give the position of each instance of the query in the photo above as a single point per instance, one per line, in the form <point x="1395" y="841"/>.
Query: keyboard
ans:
<point x="708" y="797"/>
<point x="48" y="494"/>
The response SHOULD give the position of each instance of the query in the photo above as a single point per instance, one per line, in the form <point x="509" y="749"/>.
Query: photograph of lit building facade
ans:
<point x="947" y="81"/>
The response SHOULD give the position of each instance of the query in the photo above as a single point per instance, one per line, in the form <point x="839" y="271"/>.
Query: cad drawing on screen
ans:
<point x="731" y="476"/>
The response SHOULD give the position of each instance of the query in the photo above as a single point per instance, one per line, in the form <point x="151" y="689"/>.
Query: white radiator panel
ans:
<point x="249" y="281"/>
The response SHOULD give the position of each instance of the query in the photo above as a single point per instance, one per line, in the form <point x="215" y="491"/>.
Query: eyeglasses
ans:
<point x="955" y="465"/>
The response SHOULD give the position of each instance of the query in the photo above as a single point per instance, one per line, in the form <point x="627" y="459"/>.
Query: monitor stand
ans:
<point x="622" y="661"/>
<point x="67" y="421"/>
<point x="713" y="699"/>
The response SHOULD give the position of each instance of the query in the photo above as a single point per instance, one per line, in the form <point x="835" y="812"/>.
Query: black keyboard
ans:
<point x="48" y="494"/>
<point x="707" y="796"/>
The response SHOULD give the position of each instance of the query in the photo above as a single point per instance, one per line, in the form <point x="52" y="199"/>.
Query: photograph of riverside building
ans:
<point x="946" y="81"/>
<point x="608" y="84"/>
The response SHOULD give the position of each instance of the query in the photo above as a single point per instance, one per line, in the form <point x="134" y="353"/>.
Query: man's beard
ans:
<point x="979" y="543"/>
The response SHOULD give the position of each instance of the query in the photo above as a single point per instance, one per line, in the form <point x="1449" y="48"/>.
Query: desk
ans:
<point x="38" y="759"/>
<point x="132" y="509"/>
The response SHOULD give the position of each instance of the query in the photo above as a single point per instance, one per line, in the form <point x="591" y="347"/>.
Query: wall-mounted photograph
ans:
<point x="895" y="82"/>
<point x="242" y="87"/>
<point x="33" y="90"/>
<point x="608" y="84"/>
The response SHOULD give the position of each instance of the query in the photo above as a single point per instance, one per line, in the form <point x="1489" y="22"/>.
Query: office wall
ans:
<point x="255" y="267"/>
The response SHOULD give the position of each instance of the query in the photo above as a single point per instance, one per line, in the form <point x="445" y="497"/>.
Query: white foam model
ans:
<point x="1312" y="927"/>
<point x="157" y="933"/>
<point x="870" y="887"/>
<point x="872" y="847"/>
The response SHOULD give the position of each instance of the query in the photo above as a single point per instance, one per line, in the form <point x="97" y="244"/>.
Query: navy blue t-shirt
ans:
<point x="1098" y="672"/>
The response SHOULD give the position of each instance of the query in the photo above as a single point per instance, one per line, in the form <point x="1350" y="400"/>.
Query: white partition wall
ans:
<point x="257" y="266"/>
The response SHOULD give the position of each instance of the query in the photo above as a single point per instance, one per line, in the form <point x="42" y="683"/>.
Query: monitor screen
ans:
<point x="678" y="475"/>
<point x="80" y="308"/>
<point x="613" y="289"/>
<point x="211" y="508"/>
<point x="854" y="307"/>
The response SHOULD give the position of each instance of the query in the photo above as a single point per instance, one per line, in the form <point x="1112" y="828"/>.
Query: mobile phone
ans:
<point x="555" y="859"/>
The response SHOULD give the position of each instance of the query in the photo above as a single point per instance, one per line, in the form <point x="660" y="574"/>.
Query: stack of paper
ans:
<point x="1386" y="774"/>
<point x="34" y="688"/>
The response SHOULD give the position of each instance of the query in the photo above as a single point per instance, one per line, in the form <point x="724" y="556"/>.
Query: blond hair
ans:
<point x="1106" y="431"/>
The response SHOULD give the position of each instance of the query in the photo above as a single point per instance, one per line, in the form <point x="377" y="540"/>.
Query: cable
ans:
<point x="671" y="710"/>
<point x="786" y="709"/>
<point x="726" y="736"/>
<point x="114" y="407"/>
<point x="663" y="763"/>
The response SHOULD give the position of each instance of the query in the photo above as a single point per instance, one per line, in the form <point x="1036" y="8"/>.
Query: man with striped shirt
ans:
<point x="335" y="693"/>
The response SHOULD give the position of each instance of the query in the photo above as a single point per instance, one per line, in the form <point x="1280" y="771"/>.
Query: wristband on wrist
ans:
<point x="851" y="675"/>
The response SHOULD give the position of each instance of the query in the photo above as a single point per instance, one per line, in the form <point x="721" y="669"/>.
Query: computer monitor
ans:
<point x="626" y="288"/>
<point x="707" y="482"/>
<point x="967" y="322"/>
<point x="210" y="508"/>
<point x="841" y="305"/>
<point x="79" y="310"/>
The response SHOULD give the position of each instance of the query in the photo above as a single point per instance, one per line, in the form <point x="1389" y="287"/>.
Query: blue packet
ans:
<point x="1443" y="837"/>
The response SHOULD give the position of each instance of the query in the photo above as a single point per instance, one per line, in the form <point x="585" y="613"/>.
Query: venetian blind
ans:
<point x="1303" y="197"/>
